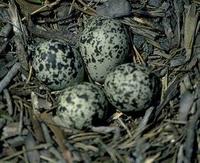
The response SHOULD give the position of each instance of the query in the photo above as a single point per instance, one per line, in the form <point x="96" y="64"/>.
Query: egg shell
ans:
<point x="104" y="44"/>
<point x="57" y="65"/>
<point x="80" y="105"/>
<point x="130" y="87"/>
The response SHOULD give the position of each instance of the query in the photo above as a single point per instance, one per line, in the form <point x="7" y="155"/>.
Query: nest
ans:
<point x="164" y="35"/>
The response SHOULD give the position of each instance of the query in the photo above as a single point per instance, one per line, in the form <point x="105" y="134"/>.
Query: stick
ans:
<point x="6" y="80"/>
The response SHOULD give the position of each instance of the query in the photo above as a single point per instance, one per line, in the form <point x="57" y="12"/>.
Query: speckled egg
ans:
<point x="131" y="87"/>
<point x="57" y="65"/>
<point x="104" y="44"/>
<point x="80" y="106"/>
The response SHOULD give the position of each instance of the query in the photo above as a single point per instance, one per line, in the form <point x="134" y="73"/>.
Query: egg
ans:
<point x="57" y="65"/>
<point x="131" y="87"/>
<point x="103" y="44"/>
<point x="80" y="106"/>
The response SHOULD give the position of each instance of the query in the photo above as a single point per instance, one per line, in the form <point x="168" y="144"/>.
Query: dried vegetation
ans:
<point x="164" y="34"/>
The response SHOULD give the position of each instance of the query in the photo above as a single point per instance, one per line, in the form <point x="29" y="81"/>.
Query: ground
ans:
<point x="164" y="35"/>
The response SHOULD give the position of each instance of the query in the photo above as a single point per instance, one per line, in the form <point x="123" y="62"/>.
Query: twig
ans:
<point x="59" y="137"/>
<point x="138" y="56"/>
<point x="29" y="75"/>
<point x="3" y="47"/>
<point x="84" y="11"/>
<point x="25" y="155"/>
<point x="106" y="130"/>
<point x="86" y="6"/>
<point x="191" y="20"/>
<point x="45" y="7"/>
<point x="189" y="146"/>
<point x="48" y="159"/>
<point x="41" y="146"/>
<point x="2" y="5"/>
<point x="8" y="100"/>
<point x="144" y="123"/>
<point x="20" y="34"/>
<point x="69" y="37"/>
<point x="6" y="80"/>
<point x="71" y="6"/>
<point x="125" y="127"/>
<point x="48" y="138"/>
<point x="34" y="155"/>
<point x="20" y="122"/>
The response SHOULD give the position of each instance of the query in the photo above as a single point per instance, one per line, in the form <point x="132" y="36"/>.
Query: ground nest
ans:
<point x="164" y="35"/>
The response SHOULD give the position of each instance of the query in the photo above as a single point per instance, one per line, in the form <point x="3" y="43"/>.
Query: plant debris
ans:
<point x="164" y="34"/>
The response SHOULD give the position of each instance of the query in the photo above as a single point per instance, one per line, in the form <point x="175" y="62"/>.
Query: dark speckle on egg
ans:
<point x="57" y="65"/>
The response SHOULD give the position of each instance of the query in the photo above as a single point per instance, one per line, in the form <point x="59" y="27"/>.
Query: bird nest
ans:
<point x="164" y="35"/>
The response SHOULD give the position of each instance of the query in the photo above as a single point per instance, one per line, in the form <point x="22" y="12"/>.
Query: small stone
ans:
<point x="114" y="8"/>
